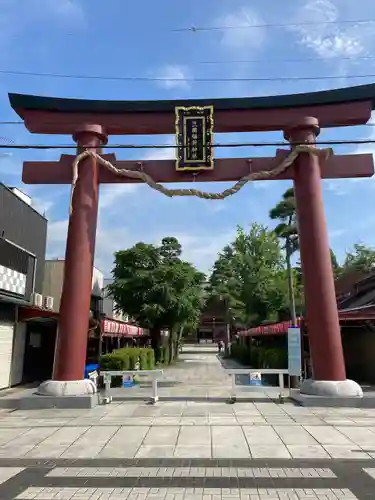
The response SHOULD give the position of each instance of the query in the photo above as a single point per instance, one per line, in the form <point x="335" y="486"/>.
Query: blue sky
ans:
<point x="122" y="38"/>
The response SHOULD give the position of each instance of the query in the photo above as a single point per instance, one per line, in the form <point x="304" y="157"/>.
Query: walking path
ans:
<point x="199" y="375"/>
<point x="188" y="450"/>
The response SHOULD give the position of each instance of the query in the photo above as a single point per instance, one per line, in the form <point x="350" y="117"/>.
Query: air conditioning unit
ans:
<point x="37" y="299"/>
<point x="48" y="303"/>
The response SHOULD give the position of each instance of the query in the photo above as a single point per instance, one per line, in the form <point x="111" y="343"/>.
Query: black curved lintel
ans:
<point x="23" y="102"/>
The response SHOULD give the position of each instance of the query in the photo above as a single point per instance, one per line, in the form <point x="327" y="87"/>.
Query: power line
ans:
<point x="195" y="29"/>
<point x="188" y="79"/>
<point x="171" y="146"/>
<point x="293" y="60"/>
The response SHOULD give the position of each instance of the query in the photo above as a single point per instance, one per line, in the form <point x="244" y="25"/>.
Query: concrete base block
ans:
<point x="331" y="389"/>
<point x="331" y="402"/>
<point x="58" y="388"/>
<point x="332" y="394"/>
<point x="30" y="400"/>
<point x="37" y="402"/>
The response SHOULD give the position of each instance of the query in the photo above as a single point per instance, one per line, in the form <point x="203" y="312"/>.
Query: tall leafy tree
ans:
<point x="157" y="288"/>
<point x="336" y="268"/>
<point x="360" y="258"/>
<point x="248" y="273"/>
<point x="286" y="230"/>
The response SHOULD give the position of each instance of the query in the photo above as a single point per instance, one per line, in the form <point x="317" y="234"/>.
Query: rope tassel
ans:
<point x="142" y="176"/>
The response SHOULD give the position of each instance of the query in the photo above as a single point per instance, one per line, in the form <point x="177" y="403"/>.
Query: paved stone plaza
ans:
<point x="189" y="450"/>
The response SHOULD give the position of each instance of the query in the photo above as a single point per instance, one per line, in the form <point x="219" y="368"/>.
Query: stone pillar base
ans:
<point x="331" y="389"/>
<point x="59" y="388"/>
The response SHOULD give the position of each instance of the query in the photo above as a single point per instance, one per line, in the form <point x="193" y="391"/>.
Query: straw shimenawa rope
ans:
<point x="142" y="176"/>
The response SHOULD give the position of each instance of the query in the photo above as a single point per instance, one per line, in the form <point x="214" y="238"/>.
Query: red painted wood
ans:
<point x="229" y="169"/>
<point x="249" y="120"/>
<point x="320" y="299"/>
<point x="73" y="327"/>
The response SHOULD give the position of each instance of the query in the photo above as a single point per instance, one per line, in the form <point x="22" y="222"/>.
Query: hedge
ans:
<point x="260" y="357"/>
<point x="126" y="359"/>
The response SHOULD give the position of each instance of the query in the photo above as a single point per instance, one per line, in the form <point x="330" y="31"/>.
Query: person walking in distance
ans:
<point x="220" y="346"/>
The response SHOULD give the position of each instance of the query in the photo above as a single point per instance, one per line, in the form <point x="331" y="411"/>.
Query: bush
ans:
<point x="241" y="353"/>
<point x="259" y="356"/>
<point x="126" y="359"/>
<point x="276" y="358"/>
<point x="150" y="358"/>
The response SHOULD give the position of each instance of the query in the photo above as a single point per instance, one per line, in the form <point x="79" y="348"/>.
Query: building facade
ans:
<point x="109" y="305"/>
<point x="23" y="234"/>
<point x="53" y="283"/>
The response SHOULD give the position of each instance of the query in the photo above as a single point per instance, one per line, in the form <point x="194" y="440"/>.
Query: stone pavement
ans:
<point x="199" y="375"/>
<point x="188" y="450"/>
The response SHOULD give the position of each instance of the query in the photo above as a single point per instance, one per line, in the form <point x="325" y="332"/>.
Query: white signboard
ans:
<point x="294" y="351"/>
<point x="255" y="378"/>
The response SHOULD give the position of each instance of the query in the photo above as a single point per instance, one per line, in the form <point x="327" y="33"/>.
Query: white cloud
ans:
<point x="200" y="249"/>
<point x="10" y="168"/>
<point x="161" y="153"/>
<point x="42" y="205"/>
<point x="239" y="37"/>
<point x="66" y="8"/>
<point x="336" y="233"/>
<point x="330" y="40"/>
<point x="173" y="76"/>
<point x="261" y="184"/>
<point x="18" y="17"/>
<point x="110" y="194"/>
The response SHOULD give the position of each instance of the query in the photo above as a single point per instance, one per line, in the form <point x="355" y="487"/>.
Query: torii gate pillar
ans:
<point x="329" y="376"/>
<point x="71" y="344"/>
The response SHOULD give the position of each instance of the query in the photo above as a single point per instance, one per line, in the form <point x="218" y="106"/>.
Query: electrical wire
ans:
<point x="292" y="60"/>
<point x="195" y="29"/>
<point x="188" y="79"/>
<point x="171" y="146"/>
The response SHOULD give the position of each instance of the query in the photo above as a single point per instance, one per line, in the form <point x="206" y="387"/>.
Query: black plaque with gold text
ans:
<point x="194" y="138"/>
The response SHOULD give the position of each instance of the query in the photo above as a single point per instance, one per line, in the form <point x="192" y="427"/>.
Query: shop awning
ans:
<point x="273" y="329"/>
<point x="112" y="328"/>
<point x="363" y="313"/>
<point x="28" y="313"/>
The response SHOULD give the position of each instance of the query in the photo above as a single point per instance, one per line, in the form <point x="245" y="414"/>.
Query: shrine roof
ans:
<point x="360" y="93"/>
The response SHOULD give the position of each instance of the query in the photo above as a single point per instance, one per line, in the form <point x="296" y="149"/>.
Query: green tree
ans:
<point x="336" y="268"/>
<point x="287" y="230"/>
<point x="361" y="258"/>
<point x="248" y="274"/>
<point x="285" y="211"/>
<point x="157" y="288"/>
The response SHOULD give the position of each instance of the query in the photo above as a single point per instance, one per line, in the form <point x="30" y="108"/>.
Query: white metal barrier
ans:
<point x="263" y="371"/>
<point x="154" y="375"/>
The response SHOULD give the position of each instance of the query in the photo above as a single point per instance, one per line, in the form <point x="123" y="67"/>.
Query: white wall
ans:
<point x="109" y="305"/>
<point x="97" y="282"/>
<point x="53" y="281"/>
<point x="18" y="354"/>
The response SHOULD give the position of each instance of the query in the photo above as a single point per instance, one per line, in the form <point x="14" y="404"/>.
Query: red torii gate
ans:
<point x="298" y="116"/>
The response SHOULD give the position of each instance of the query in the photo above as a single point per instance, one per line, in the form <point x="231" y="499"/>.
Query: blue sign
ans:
<point x="294" y="351"/>
<point x="255" y="378"/>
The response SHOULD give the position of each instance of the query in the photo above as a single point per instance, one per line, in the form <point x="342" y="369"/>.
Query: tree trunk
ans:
<point x="155" y="342"/>
<point x="179" y="340"/>
<point x="171" y="346"/>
